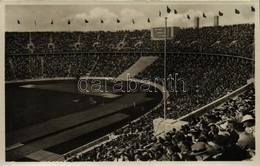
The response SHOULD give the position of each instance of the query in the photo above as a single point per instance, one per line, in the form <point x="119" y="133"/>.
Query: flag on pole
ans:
<point x="18" y="22"/>
<point x="117" y="20"/>
<point x="69" y="22"/>
<point x="133" y="21"/>
<point x="168" y="9"/>
<point x="160" y="14"/>
<point x="220" y="13"/>
<point x="52" y="22"/>
<point x="237" y="11"/>
<point x="148" y="20"/>
<point x="204" y="15"/>
<point x="188" y="17"/>
<point x="86" y="21"/>
<point x="252" y="9"/>
<point x="101" y="21"/>
<point x="175" y="11"/>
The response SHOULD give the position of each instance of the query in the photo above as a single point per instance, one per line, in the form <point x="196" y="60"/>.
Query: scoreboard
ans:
<point x="158" y="33"/>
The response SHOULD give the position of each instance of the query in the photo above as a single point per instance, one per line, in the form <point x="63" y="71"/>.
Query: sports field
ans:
<point x="53" y="117"/>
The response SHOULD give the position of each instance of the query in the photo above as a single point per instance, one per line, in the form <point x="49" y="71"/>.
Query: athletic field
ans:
<point x="49" y="118"/>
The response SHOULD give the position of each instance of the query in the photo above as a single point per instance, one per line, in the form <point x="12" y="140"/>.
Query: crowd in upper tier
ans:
<point x="235" y="40"/>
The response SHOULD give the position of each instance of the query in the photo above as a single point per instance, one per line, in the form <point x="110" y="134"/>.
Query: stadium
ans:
<point x="131" y="95"/>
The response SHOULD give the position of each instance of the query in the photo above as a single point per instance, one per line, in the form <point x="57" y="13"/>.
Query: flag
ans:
<point x="86" y="21"/>
<point x="204" y="15"/>
<point x="252" y="9"/>
<point x="18" y="22"/>
<point x="237" y="11"/>
<point x="69" y="22"/>
<point x="133" y="21"/>
<point x="168" y="9"/>
<point x="220" y="13"/>
<point x="101" y="21"/>
<point x="188" y="17"/>
<point x="52" y="22"/>
<point x="118" y="21"/>
<point x="160" y="14"/>
<point x="148" y="20"/>
<point x="175" y="11"/>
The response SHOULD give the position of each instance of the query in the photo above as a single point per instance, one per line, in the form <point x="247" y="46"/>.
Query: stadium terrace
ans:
<point x="102" y="95"/>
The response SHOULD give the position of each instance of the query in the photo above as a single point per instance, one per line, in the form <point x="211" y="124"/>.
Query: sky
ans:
<point x="125" y="12"/>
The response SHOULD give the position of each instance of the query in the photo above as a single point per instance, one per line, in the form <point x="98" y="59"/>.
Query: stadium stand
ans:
<point x="213" y="137"/>
<point x="236" y="40"/>
<point x="226" y="130"/>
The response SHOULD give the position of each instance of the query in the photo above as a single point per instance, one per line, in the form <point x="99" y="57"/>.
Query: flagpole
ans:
<point x="35" y="26"/>
<point x="117" y="26"/>
<point x="164" y="94"/>
<point x="253" y="61"/>
<point x="52" y="25"/>
<point x="101" y="26"/>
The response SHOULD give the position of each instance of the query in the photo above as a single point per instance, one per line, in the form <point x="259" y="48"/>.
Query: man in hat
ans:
<point x="169" y="155"/>
<point x="232" y="133"/>
<point x="200" y="151"/>
<point x="246" y="139"/>
<point x="213" y="133"/>
<point x="230" y="150"/>
<point x="195" y="132"/>
<point x="185" y="153"/>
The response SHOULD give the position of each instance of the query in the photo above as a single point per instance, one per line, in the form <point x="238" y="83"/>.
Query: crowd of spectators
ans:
<point x="22" y="67"/>
<point x="235" y="40"/>
<point x="227" y="130"/>
<point x="195" y="81"/>
<point x="211" y="137"/>
<point x="226" y="133"/>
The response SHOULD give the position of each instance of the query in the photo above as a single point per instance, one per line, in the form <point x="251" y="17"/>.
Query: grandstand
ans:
<point x="210" y="105"/>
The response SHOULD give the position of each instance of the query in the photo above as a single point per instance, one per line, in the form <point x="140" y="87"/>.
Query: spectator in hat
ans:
<point x="231" y="151"/>
<point x="246" y="137"/>
<point x="170" y="155"/>
<point x="146" y="156"/>
<point x="200" y="151"/>
<point x="213" y="133"/>
<point x="249" y="123"/>
<point x="232" y="133"/>
<point x="185" y="153"/>
<point x="195" y="134"/>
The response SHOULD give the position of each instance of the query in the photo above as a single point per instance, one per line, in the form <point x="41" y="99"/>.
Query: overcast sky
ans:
<point x="60" y="14"/>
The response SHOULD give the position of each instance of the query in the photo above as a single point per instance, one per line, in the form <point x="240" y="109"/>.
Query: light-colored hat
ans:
<point x="247" y="118"/>
<point x="198" y="148"/>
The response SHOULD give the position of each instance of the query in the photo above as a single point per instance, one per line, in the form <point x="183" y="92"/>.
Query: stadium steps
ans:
<point x="138" y="66"/>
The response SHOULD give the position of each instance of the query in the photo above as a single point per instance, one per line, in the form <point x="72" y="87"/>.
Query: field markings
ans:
<point x="64" y="136"/>
<point x="43" y="155"/>
<point x="28" y="86"/>
<point x="14" y="146"/>
<point x="67" y="121"/>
